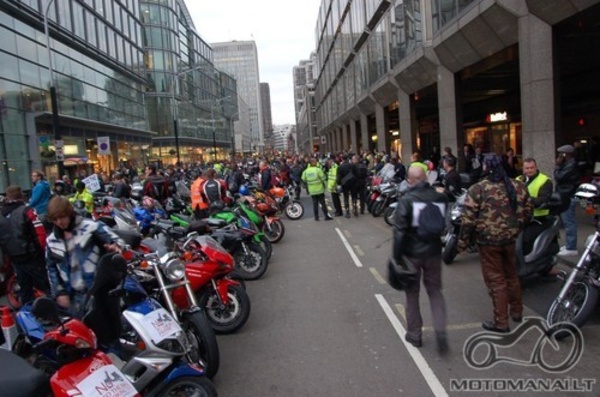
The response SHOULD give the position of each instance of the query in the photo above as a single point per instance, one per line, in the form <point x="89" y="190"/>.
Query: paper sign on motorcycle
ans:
<point x="160" y="325"/>
<point x="106" y="381"/>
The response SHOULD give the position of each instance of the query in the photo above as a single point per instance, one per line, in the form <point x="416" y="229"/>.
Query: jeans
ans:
<point x="568" y="219"/>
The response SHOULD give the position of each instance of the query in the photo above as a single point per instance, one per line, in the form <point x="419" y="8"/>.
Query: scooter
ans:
<point x="542" y="256"/>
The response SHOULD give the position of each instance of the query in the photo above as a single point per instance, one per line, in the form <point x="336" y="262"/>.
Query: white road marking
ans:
<point x="349" y="248"/>
<point x="377" y="276"/>
<point x="434" y="383"/>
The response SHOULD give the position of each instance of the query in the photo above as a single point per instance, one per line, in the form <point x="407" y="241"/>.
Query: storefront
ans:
<point x="497" y="134"/>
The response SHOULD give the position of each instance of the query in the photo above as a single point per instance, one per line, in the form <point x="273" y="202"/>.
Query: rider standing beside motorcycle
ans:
<point x="494" y="213"/>
<point x="567" y="178"/>
<point x="23" y="240"/>
<point x="539" y="187"/>
<point x="72" y="251"/>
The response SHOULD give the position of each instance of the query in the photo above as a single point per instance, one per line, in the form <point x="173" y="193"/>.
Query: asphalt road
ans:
<point x="326" y="324"/>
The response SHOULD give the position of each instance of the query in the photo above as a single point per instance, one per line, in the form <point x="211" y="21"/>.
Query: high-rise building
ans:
<point x="192" y="119"/>
<point x="407" y="75"/>
<point x="282" y="137"/>
<point x="267" y="119"/>
<point x="304" y="104"/>
<point x="240" y="60"/>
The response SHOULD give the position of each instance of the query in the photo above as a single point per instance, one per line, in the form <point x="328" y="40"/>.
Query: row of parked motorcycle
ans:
<point x="178" y="281"/>
<point x="536" y="247"/>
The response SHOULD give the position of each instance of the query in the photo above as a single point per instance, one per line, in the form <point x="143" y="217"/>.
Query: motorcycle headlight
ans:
<point x="174" y="269"/>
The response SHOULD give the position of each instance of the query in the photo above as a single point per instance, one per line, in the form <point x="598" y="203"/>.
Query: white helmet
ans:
<point x="587" y="190"/>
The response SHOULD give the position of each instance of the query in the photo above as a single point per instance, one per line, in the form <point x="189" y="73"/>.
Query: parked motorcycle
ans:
<point x="579" y="294"/>
<point x="388" y="194"/>
<point x="293" y="209"/>
<point x="451" y="239"/>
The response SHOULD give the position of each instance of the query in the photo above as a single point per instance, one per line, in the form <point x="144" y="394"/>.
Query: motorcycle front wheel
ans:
<point x="225" y="319"/>
<point x="388" y="215"/>
<point x="294" y="210"/>
<point x="205" y="349"/>
<point x="450" y="249"/>
<point x="576" y="307"/>
<point x="266" y="245"/>
<point x="251" y="265"/>
<point x="377" y="208"/>
<point x="274" y="231"/>
<point x="197" y="386"/>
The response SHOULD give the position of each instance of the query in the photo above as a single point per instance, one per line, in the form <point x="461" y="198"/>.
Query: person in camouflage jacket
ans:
<point x="495" y="211"/>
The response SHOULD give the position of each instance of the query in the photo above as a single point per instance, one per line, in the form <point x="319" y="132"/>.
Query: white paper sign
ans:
<point x="92" y="183"/>
<point x="160" y="325"/>
<point x="106" y="381"/>
<point x="103" y="145"/>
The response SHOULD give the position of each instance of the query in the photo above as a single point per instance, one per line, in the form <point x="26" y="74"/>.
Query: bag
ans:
<point x="431" y="222"/>
<point x="348" y="180"/>
<point x="401" y="275"/>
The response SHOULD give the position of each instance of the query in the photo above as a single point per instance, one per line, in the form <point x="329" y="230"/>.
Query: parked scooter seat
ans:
<point x="19" y="379"/>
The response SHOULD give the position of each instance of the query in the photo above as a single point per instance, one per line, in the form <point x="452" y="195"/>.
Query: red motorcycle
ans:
<point x="267" y="208"/>
<point x="208" y="269"/>
<point x="83" y="371"/>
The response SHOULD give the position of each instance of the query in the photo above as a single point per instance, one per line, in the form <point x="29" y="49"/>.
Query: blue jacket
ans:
<point x="88" y="239"/>
<point x="40" y="195"/>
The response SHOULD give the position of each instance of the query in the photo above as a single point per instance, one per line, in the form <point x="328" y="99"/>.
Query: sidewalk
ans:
<point x="585" y="227"/>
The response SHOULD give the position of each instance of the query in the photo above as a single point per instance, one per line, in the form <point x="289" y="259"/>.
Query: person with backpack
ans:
<point x="155" y="185"/>
<point x="235" y="179"/>
<point x="213" y="190"/>
<point x="346" y="177"/>
<point x="495" y="211"/>
<point x="23" y="240"/>
<point x="360" y="185"/>
<point x="418" y="226"/>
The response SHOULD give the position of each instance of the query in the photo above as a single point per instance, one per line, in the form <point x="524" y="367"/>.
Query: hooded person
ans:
<point x="495" y="211"/>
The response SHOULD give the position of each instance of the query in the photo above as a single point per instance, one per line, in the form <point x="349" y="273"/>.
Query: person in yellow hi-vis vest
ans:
<point x="314" y="178"/>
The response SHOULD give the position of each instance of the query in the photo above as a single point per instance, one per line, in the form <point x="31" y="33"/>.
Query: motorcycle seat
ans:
<point x="19" y="378"/>
<point x="217" y="223"/>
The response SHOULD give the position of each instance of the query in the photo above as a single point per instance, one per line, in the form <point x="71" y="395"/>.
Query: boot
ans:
<point x="355" y="210"/>
<point x="347" y="213"/>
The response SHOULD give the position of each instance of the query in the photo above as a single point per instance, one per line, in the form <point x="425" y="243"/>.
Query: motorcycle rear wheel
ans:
<point x="205" y="349"/>
<point x="275" y="232"/>
<point x="294" y="210"/>
<point x="188" y="386"/>
<point x="577" y="306"/>
<point x="388" y="215"/>
<point x="250" y="266"/>
<point x="450" y="249"/>
<point x="228" y="319"/>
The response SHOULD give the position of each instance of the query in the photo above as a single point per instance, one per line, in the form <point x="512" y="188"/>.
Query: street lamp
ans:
<point x="175" y="108"/>
<point x="54" y="100"/>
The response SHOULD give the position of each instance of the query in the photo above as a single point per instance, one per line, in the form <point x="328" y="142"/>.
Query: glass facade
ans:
<point x="97" y="65"/>
<point x="444" y="11"/>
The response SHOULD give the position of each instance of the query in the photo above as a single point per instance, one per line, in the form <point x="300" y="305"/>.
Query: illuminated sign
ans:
<point x="500" y="116"/>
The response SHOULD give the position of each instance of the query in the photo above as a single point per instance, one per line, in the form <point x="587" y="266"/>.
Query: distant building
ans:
<point x="304" y="104"/>
<point x="240" y="59"/>
<point x="281" y="135"/>
<point x="267" y="119"/>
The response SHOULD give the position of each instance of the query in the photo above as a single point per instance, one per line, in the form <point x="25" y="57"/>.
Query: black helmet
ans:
<point x="401" y="275"/>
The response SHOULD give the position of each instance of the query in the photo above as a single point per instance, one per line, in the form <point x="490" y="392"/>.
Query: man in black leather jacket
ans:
<point x="345" y="168"/>
<point x="566" y="179"/>
<point x="451" y="180"/>
<point x="426" y="256"/>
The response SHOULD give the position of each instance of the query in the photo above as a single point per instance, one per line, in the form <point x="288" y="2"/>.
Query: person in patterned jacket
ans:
<point x="496" y="209"/>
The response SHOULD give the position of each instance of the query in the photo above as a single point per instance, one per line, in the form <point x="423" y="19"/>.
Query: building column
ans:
<point x="364" y="132"/>
<point x="539" y="110"/>
<point x="451" y="134"/>
<point x="408" y="125"/>
<point x="328" y="142"/>
<point x="380" y="123"/>
<point x="353" y="137"/>
<point x="345" y="143"/>
<point x="338" y="139"/>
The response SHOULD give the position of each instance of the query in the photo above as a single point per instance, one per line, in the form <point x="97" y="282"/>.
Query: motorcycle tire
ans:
<point x="377" y="208"/>
<point x="388" y="215"/>
<point x="205" y="349"/>
<point x="188" y="386"/>
<point x="294" y="210"/>
<point x="228" y="318"/>
<point x="12" y="294"/>
<point x="450" y="249"/>
<point x="253" y="265"/>
<point x="234" y="275"/>
<point x="266" y="245"/>
<point x="577" y="306"/>
<point x="275" y="232"/>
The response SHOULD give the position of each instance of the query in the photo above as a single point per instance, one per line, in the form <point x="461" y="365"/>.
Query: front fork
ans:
<point x="166" y="293"/>
<point x="581" y="266"/>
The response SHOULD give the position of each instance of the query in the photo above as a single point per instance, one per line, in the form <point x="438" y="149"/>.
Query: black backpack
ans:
<point x="432" y="222"/>
<point x="212" y="190"/>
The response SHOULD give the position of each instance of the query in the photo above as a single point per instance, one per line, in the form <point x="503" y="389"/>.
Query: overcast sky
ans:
<point x="284" y="32"/>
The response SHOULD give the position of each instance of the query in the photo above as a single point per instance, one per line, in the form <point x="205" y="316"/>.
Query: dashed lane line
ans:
<point x="355" y="259"/>
<point x="377" y="276"/>
<point x="358" y="251"/>
<point x="432" y="380"/>
<point x="453" y="327"/>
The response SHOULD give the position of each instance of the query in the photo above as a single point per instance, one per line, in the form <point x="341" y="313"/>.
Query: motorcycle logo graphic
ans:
<point x="572" y="346"/>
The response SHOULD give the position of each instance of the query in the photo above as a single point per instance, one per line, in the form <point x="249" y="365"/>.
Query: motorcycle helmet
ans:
<point x="277" y="192"/>
<point x="243" y="190"/>
<point x="587" y="190"/>
<point x="401" y="275"/>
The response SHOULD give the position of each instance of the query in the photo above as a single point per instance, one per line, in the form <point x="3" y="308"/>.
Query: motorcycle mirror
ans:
<point x="45" y="309"/>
